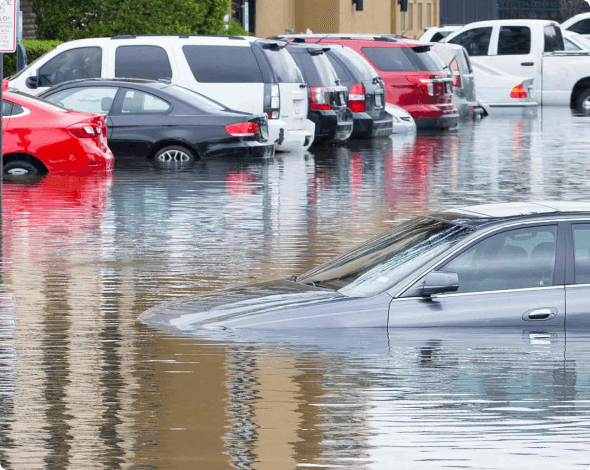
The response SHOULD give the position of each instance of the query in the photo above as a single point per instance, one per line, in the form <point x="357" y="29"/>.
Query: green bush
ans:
<point x="235" y="29"/>
<point x="35" y="49"/>
<point x="77" y="19"/>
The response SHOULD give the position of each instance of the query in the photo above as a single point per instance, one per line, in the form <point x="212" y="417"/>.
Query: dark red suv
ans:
<point x="414" y="77"/>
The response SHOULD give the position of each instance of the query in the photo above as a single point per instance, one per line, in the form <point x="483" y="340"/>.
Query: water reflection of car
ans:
<point x="495" y="265"/>
<point x="165" y="122"/>
<point x="39" y="137"/>
<point x="502" y="93"/>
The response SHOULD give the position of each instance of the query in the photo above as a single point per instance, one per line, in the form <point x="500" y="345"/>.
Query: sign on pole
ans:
<point x="8" y="19"/>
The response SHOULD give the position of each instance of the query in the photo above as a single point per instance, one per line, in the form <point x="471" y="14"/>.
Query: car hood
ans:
<point x="243" y="305"/>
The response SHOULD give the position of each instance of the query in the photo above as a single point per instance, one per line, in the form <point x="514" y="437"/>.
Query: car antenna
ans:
<point x="325" y="37"/>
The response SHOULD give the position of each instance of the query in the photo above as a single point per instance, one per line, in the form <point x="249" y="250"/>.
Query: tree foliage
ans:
<point x="77" y="19"/>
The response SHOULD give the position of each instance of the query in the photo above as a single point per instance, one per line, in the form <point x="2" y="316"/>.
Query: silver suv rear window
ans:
<point x="283" y="65"/>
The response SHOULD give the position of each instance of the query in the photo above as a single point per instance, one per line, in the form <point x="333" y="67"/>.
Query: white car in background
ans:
<point x="502" y="93"/>
<point x="403" y="122"/>
<point x="578" y="24"/>
<point x="438" y="33"/>
<point x="575" y="42"/>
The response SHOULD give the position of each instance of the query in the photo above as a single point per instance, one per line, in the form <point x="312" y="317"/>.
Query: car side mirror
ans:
<point x="440" y="282"/>
<point x="32" y="82"/>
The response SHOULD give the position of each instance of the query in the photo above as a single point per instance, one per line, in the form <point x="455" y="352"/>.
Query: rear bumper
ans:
<point x="366" y="126"/>
<point x="470" y="109"/>
<point x="500" y="109"/>
<point x="328" y="127"/>
<point x="241" y="149"/>
<point x="434" y="116"/>
<point x="290" y="140"/>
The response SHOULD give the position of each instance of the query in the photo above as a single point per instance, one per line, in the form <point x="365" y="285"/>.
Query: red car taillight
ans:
<point x="242" y="129"/>
<point x="356" y="98"/>
<point x="457" y="81"/>
<point x="426" y="83"/>
<point x="518" y="92"/>
<point x="85" y="131"/>
<point x="320" y="100"/>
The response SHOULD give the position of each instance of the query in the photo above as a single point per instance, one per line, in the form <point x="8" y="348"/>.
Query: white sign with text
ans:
<point x="8" y="19"/>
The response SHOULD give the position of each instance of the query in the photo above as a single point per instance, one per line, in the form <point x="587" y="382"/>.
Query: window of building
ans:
<point x="428" y="15"/>
<point x="420" y="25"/>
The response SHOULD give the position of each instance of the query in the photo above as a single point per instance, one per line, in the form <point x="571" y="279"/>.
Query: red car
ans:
<point x="414" y="77"/>
<point x="39" y="137"/>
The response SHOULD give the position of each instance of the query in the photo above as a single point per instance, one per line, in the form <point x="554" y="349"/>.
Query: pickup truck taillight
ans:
<point x="426" y="83"/>
<point x="320" y="98"/>
<point x="356" y="98"/>
<point x="518" y="92"/>
<point x="242" y="129"/>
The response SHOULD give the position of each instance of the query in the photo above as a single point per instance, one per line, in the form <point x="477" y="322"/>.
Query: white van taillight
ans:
<point x="356" y="98"/>
<point x="320" y="99"/>
<point x="272" y="101"/>
<point x="242" y="129"/>
<point x="518" y="92"/>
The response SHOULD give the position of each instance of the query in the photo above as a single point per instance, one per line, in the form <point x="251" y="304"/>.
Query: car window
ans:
<point x="6" y="108"/>
<point x="553" y="39"/>
<point x="325" y="70"/>
<point x="514" y="40"/>
<point x="476" y="40"/>
<point x="195" y="99"/>
<point x="73" y="64"/>
<point x="582" y="27"/>
<point x="570" y="46"/>
<point x="515" y="259"/>
<point x="380" y="263"/>
<point x="88" y="99"/>
<point x="284" y="66"/>
<point x="340" y="70"/>
<point x="581" y="253"/>
<point x="402" y="59"/>
<point x="148" y="62"/>
<point x="223" y="64"/>
<point x="436" y="37"/>
<point x="138" y="102"/>
<point x="364" y="68"/>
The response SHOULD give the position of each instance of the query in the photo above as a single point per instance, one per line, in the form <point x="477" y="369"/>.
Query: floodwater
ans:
<point x="84" y="385"/>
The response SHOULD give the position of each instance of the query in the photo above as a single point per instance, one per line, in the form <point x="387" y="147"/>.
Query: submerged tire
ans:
<point x="583" y="101"/>
<point x="20" y="168"/>
<point x="174" y="154"/>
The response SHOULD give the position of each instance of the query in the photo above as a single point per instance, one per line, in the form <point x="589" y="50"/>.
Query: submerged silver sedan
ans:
<point x="498" y="265"/>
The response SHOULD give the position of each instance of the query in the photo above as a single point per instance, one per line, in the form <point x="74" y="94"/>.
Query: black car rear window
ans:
<point x="223" y="64"/>
<point x="317" y="69"/>
<point x="148" y="62"/>
<point x="402" y="59"/>
<point x="284" y="66"/>
<point x="364" y="70"/>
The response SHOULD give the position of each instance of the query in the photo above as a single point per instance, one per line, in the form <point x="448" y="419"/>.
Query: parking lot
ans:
<point x="83" y="381"/>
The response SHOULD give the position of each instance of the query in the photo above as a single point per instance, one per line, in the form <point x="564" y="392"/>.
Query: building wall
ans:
<point x="375" y="17"/>
<point x="274" y="16"/>
<point x="421" y="14"/>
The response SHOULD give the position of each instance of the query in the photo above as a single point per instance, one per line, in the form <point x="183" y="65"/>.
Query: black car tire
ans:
<point x="583" y="97"/>
<point x="174" y="154"/>
<point x="20" y="168"/>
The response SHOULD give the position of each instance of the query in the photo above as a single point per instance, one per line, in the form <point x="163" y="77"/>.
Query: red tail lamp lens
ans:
<point x="242" y="129"/>
<point x="356" y="98"/>
<point x="426" y="83"/>
<point x="457" y="81"/>
<point x="319" y="98"/>
<point x="518" y="92"/>
<point x="84" y="131"/>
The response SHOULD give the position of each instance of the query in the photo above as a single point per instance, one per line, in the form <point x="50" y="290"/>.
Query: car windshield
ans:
<point x="382" y="262"/>
<point x="582" y="41"/>
<point x="194" y="98"/>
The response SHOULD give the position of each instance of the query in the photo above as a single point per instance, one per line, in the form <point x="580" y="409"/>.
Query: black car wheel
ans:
<point x="20" y="168"/>
<point x="174" y="154"/>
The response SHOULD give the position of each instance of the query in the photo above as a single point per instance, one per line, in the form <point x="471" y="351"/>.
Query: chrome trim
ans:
<point x="485" y="233"/>
<point x="573" y="286"/>
<point x="484" y="292"/>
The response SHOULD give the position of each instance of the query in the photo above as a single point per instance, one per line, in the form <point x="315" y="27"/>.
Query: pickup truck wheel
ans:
<point x="583" y="101"/>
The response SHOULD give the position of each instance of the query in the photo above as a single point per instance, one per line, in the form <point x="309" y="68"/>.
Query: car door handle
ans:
<point x="527" y="64"/>
<point x="539" y="314"/>
<point x="303" y="85"/>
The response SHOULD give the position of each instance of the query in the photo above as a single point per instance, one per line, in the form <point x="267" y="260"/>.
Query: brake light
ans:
<point x="518" y="92"/>
<point x="457" y="81"/>
<point x="426" y="83"/>
<point x="85" y="131"/>
<point x="356" y="98"/>
<point x="272" y="101"/>
<point x="242" y="129"/>
<point x="320" y="99"/>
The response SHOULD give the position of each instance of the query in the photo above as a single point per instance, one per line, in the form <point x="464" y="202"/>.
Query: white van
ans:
<point x="244" y="73"/>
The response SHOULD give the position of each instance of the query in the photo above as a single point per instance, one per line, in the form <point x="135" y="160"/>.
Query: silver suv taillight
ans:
<point x="272" y="101"/>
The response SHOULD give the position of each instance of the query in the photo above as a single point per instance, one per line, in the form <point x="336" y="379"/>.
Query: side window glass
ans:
<point x="582" y="27"/>
<point x="476" y="41"/>
<point x="514" y="40"/>
<point x="6" y="108"/>
<point x="223" y="64"/>
<point x="147" y="62"/>
<point x="553" y="39"/>
<point x="82" y="62"/>
<point x="340" y="71"/>
<point x="138" y="102"/>
<point x="87" y="99"/>
<point x="582" y="253"/>
<point x="515" y="259"/>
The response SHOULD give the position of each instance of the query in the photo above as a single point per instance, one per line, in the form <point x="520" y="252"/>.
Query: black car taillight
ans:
<point x="320" y="98"/>
<point x="242" y="129"/>
<point x="272" y="101"/>
<point x="356" y="98"/>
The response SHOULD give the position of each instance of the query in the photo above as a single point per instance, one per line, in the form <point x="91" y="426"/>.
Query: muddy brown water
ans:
<point x="84" y="385"/>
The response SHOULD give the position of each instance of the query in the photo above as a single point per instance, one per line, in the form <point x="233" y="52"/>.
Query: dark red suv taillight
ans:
<point x="356" y="98"/>
<point x="457" y="81"/>
<point x="242" y="129"/>
<point x="425" y="82"/>
<point x="320" y="98"/>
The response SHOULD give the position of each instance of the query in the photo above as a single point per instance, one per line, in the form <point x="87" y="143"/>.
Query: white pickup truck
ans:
<point x="533" y="49"/>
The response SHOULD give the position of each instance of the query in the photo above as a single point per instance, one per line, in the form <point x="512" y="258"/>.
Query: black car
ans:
<point x="366" y="92"/>
<point x="327" y="97"/>
<point x="164" y="122"/>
